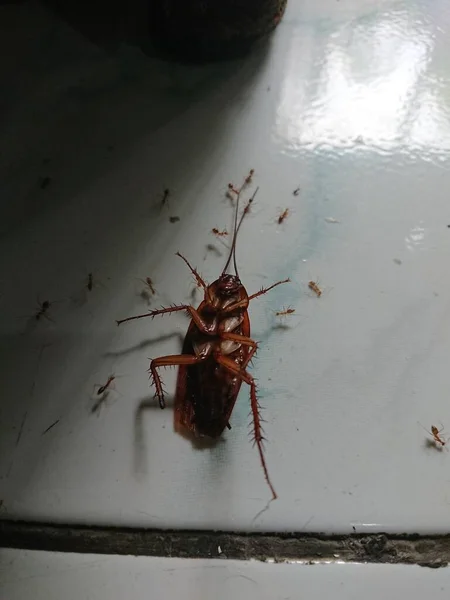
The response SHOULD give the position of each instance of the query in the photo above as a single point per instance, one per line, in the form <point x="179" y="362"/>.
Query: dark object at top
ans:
<point x="211" y="30"/>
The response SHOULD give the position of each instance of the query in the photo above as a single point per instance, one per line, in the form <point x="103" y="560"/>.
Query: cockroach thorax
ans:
<point x="228" y="284"/>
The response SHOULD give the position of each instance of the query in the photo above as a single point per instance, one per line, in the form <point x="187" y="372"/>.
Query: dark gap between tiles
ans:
<point x="427" y="551"/>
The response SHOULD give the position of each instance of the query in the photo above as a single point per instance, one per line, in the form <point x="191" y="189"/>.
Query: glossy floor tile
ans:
<point x="35" y="575"/>
<point x="349" y="105"/>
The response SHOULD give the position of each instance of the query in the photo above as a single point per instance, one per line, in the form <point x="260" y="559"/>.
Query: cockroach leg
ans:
<point x="193" y="312"/>
<point x="241" y="339"/>
<point x="263" y="291"/>
<point x="257" y="430"/>
<point x="244" y="302"/>
<point x="194" y="272"/>
<point x="173" y="360"/>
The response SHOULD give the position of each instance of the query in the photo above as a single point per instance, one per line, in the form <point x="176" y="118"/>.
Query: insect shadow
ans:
<point x="149" y="403"/>
<point x="213" y="249"/>
<point x="145" y="344"/>
<point x="430" y="444"/>
<point x="281" y="327"/>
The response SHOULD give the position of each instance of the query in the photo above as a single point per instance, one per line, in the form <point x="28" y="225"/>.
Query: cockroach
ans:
<point x="283" y="216"/>
<point x="285" y="312"/>
<point x="435" y="433"/>
<point x="174" y="219"/>
<point x="219" y="233"/>
<point x="102" y="389"/>
<point x="313" y="285"/>
<point x="216" y="352"/>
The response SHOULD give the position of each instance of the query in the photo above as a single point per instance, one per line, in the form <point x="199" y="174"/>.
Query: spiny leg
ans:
<point x="238" y="337"/>
<point x="263" y="291"/>
<point x="244" y="341"/>
<point x="244" y="302"/>
<point x="245" y="376"/>
<point x="193" y="271"/>
<point x="193" y="312"/>
<point x="173" y="360"/>
<point x="154" y="313"/>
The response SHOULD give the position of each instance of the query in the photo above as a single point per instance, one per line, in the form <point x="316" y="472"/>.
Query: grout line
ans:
<point x="429" y="551"/>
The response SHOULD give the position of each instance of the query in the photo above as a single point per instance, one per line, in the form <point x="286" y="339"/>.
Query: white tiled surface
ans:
<point x="41" y="575"/>
<point x="349" y="101"/>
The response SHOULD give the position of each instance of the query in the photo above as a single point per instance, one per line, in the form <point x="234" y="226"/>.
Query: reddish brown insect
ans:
<point x="149" y="284"/>
<point x="248" y="207"/>
<point x="283" y="216"/>
<point x="284" y="312"/>
<point x="313" y="285"/>
<point x="218" y="232"/>
<point x="102" y="389"/>
<point x="232" y="189"/>
<point x="249" y="177"/>
<point x="435" y="433"/>
<point x="216" y="353"/>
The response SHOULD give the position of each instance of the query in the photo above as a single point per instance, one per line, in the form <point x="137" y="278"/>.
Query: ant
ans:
<point x="90" y="282"/>
<point x="44" y="307"/>
<point x="248" y="179"/>
<point x="285" y="312"/>
<point x="315" y="288"/>
<point x="219" y="233"/>
<point x="232" y="190"/>
<point x="296" y="192"/>
<point x="103" y="388"/>
<point x="435" y="433"/>
<point x="149" y="283"/>
<point x="283" y="216"/>
<point x="165" y="197"/>
<point x="249" y="204"/>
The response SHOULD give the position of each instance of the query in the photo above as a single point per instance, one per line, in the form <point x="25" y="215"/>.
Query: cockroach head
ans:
<point x="228" y="284"/>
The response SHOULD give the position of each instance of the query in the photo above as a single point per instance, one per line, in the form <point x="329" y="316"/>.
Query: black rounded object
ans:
<point x="210" y="30"/>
